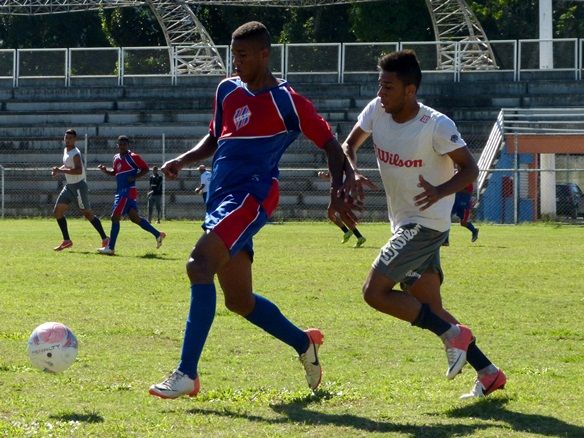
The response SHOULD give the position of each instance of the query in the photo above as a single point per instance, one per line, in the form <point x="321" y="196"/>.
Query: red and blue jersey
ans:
<point x="126" y="167"/>
<point x="253" y="131"/>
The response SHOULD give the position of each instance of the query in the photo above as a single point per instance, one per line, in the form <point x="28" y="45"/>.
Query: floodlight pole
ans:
<point x="546" y="35"/>
<point x="547" y="162"/>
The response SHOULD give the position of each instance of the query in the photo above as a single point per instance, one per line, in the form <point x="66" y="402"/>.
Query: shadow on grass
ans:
<point x="152" y="255"/>
<point x="148" y="255"/>
<point x="296" y="411"/>
<point x="494" y="409"/>
<point x="82" y="418"/>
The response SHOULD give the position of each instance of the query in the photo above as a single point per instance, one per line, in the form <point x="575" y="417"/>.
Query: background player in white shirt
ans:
<point x="416" y="147"/>
<point x="204" y="182"/>
<point x="75" y="190"/>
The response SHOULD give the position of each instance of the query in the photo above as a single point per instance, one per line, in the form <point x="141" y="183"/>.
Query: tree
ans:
<point x="391" y="21"/>
<point x="81" y="29"/>
<point x="131" y="27"/>
<point x="519" y="19"/>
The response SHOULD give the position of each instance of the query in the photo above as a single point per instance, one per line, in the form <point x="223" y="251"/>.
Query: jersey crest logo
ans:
<point x="241" y="117"/>
<point x="424" y="118"/>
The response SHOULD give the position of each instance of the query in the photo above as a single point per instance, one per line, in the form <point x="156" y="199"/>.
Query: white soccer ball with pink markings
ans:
<point x="52" y="347"/>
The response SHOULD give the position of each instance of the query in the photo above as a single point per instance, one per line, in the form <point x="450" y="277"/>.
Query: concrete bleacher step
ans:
<point x="106" y="130"/>
<point x="49" y="106"/>
<point x="96" y="144"/>
<point x="48" y="118"/>
<point x="111" y="117"/>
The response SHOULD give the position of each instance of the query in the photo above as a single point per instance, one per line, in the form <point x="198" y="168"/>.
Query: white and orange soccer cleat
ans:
<point x="309" y="358"/>
<point x="159" y="239"/>
<point x="64" y="245"/>
<point x="177" y="384"/>
<point x="106" y="250"/>
<point x="486" y="384"/>
<point x="456" y="348"/>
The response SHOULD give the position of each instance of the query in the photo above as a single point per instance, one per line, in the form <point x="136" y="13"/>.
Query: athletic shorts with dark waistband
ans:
<point x="237" y="217"/>
<point x="411" y="251"/>
<point x="77" y="192"/>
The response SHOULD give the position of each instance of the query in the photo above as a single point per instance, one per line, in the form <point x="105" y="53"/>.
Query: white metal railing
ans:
<point x="340" y="60"/>
<point x="494" y="144"/>
<point x="565" y="55"/>
<point x="543" y="120"/>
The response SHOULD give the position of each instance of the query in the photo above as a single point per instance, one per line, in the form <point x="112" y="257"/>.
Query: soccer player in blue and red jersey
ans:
<point x="463" y="204"/>
<point x="256" y="118"/>
<point x="462" y="207"/>
<point x="128" y="166"/>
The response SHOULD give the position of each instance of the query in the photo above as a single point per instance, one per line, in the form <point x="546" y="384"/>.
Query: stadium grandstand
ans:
<point x="162" y="96"/>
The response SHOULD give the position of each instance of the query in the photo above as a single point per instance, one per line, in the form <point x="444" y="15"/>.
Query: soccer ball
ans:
<point x="52" y="347"/>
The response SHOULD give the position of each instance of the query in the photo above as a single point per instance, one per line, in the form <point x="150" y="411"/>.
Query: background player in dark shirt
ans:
<point x="155" y="195"/>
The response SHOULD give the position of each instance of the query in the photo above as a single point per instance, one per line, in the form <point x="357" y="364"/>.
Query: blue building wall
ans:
<point x="496" y="203"/>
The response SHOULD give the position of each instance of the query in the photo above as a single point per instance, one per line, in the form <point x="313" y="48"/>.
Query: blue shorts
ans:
<point x="463" y="205"/>
<point x="237" y="217"/>
<point x="122" y="205"/>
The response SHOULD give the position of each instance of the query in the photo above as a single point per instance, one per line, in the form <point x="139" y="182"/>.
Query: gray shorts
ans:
<point x="78" y="192"/>
<point x="411" y="251"/>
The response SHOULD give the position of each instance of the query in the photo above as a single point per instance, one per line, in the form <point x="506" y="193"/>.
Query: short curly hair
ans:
<point x="405" y="64"/>
<point x="255" y="31"/>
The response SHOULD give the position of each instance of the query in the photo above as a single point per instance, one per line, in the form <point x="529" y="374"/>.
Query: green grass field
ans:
<point x="518" y="287"/>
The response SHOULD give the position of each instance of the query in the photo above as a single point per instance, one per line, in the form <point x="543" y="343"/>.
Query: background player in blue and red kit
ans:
<point x="462" y="207"/>
<point x="256" y="118"/>
<point x="127" y="167"/>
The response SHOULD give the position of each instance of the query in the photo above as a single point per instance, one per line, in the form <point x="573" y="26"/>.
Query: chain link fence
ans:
<point x="27" y="188"/>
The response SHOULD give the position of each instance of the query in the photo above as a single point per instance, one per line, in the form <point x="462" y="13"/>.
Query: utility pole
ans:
<point x="547" y="162"/>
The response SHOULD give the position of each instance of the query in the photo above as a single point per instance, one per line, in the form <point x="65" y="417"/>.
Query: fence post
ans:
<point x="85" y="152"/>
<point x="285" y="62"/>
<point x="340" y="63"/>
<point x="163" y="177"/>
<point x="2" y="171"/>
<point x="518" y="62"/>
<point x="67" y="67"/>
<point x="16" y="67"/>
<point x="516" y="182"/>
<point x="121" y="66"/>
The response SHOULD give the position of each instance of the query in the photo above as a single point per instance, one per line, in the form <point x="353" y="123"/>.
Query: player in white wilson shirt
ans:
<point x="416" y="148"/>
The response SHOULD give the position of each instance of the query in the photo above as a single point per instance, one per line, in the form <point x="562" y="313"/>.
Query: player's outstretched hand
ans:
<point x="355" y="186"/>
<point x="171" y="168"/>
<point x="429" y="195"/>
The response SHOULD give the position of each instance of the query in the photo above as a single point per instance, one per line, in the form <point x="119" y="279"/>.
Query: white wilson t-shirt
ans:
<point x="406" y="150"/>
<point x="68" y="161"/>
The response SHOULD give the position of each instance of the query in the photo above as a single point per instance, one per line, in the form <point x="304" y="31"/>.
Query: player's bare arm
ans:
<point x="339" y="200"/>
<point x="350" y="147"/>
<point x="467" y="173"/>
<point x="105" y="170"/>
<point x="203" y="149"/>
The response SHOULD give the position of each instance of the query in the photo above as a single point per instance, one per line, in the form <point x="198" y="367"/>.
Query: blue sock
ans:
<point x="268" y="317"/>
<point x="470" y="227"/>
<point x="145" y="225"/>
<point x="199" y="320"/>
<point x="114" y="234"/>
